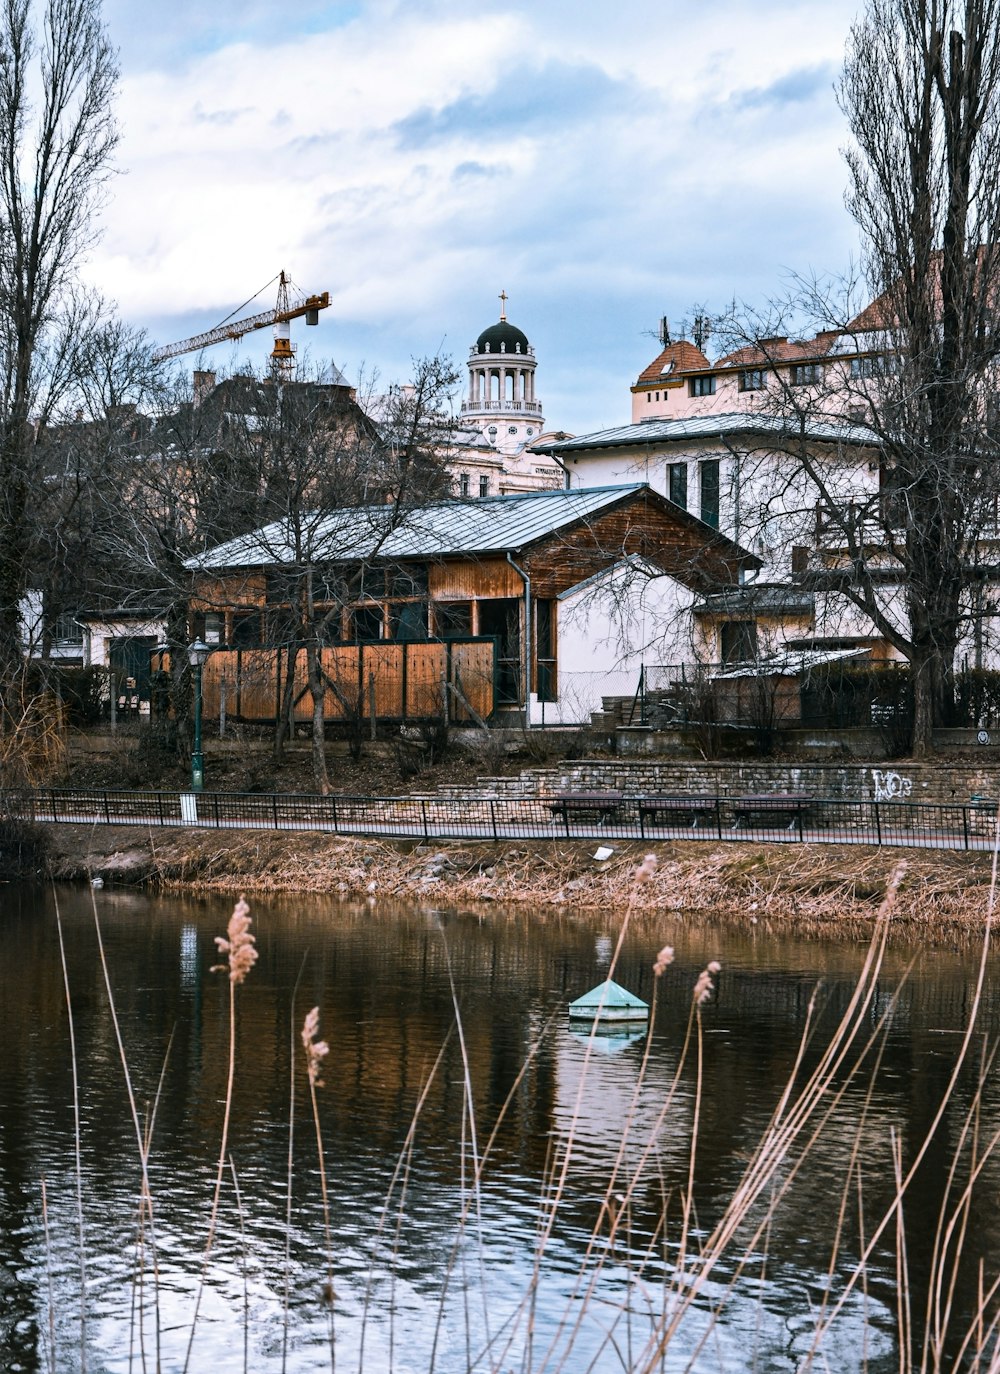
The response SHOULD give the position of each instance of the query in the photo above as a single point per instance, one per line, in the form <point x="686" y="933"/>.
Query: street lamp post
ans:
<point x="198" y="653"/>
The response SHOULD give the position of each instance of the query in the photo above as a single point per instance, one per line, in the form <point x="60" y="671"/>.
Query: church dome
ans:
<point x="502" y="337"/>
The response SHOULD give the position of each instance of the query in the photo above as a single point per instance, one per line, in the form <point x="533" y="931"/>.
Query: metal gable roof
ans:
<point x="709" y="427"/>
<point x="488" y="525"/>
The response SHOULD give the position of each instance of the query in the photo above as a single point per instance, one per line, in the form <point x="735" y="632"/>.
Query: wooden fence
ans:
<point x="401" y="681"/>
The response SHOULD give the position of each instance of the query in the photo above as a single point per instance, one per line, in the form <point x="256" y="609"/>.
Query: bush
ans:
<point x="24" y="848"/>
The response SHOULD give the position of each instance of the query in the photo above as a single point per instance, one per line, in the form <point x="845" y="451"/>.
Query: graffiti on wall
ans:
<point x="891" y="786"/>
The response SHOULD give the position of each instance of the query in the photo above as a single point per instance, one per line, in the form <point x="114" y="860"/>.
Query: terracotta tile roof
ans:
<point x="684" y="357"/>
<point x="880" y="314"/>
<point x="780" y="350"/>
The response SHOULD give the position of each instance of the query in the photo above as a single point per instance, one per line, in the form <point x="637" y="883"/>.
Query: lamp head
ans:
<point x="198" y="652"/>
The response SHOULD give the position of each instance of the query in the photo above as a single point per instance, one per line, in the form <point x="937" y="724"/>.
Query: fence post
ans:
<point x="274" y="809"/>
<point x="965" y="825"/>
<point x="423" y="812"/>
<point x="107" y="810"/>
<point x="718" y="814"/>
<point x="493" y="818"/>
<point x="333" y="810"/>
<point x="878" y="823"/>
<point x="159" y="805"/>
<point x="215" y="808"/>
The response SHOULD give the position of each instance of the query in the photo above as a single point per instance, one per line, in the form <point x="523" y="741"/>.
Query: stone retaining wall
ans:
<point x="899" y="781"/>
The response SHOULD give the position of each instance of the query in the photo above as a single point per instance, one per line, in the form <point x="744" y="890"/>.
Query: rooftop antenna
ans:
<point x="664" y="331"/>
<point x="700" y="332"/>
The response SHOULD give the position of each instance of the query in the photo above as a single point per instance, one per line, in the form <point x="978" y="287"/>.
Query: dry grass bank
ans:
<point x="823" y="889"/>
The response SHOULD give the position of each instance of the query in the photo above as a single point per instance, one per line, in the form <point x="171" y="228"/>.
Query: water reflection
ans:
<point x="578" y="1114"/>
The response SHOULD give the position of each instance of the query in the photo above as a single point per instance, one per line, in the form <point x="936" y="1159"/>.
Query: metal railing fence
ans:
<point x="598" y="816"/>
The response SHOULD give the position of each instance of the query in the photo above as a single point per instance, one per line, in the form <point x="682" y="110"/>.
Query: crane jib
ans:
<point x="236" y="329"/>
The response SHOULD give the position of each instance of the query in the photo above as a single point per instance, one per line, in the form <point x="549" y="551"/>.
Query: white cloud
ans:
<point x="415" y="158"/>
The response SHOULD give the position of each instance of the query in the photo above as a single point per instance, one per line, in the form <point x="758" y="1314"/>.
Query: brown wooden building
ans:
<point x="463" y="591"/>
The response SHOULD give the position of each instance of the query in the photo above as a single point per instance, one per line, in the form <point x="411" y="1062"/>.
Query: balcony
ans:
<point x="501" y="407"/>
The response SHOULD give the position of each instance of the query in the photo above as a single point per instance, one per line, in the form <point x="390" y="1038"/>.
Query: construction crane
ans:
<point x="287" y="308"/>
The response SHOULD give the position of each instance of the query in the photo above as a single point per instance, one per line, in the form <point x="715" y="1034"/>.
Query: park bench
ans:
<point x="787" y="808"/>
<point x="670" y="810"/>
<point x="580" y="806"/>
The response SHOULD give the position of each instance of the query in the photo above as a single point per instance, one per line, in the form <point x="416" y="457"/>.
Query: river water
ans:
<point x="530" y="1282"/>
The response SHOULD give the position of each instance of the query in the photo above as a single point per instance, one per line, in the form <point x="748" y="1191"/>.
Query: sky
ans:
<point x="604" y="164"/>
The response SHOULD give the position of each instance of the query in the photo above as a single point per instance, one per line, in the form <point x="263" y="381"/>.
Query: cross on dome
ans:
<point x="503" y="306"/>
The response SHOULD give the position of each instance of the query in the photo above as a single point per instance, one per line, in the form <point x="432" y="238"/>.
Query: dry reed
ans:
<point x="239" y="946"/>
<point x="315" y="1052"/>
<point x="710" y="1259"/>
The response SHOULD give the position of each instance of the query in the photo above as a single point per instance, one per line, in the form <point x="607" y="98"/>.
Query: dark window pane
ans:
<point x="452" y="619"/>
<point x="679" y="484"/>
<point x="366" y="584"/>
<point x="739" y="642"/>
<point x="409" y="620"/>
<point x="408" y="580"/>
<point x="279" y="625"/>
<point x="710" y="492"/>
<point x="366" y="624"/>
<point x="329" y="584"/>
<point x="246" y="630"/>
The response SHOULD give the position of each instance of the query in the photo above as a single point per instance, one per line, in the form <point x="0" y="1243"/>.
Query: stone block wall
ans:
<point x="900" y="781"/>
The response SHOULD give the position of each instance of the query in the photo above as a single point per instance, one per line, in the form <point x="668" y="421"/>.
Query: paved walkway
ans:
<point x="482" y="818"/>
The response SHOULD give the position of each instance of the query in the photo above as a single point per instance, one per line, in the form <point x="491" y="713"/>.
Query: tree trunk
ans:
<point x="317" y="687"/>
<point x="282" y="726"/>
<point x="922" y="676"/>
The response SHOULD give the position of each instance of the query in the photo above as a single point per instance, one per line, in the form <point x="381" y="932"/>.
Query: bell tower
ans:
<point x="501" y="398"/>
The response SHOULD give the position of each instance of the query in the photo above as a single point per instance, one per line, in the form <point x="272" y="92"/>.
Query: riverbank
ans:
<point x="826" y="889"/>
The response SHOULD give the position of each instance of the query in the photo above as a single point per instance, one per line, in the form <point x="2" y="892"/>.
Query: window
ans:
<point x="807" y="374"/>
<point x="739" y="642"/>
<point x="453" y="619"/>
<point x="67" y="631"/>
<point x="366" y="624"/>
<point x="279" y="587"/>
<point x="329" y="585"/>
<point x="529" y="430"/>
<point x="649" y="397"/>
<point x="753" y="379"/>
<point x="512" y="429"/>
<point x="246" y="630"/>
<point x="701" y="386"/>
<point x="678" y="484"/>
<point x="366" y="584"/>
<point x="484" y="486"/>
<point x="709" y="473"/>
<point x="280" y="624"/>
<point x="463" y="484"/>
<point x="408" y="579"/>
<point x="800" y="560"/>
<point x="545" y="650"/>
<point x="408" y="620"/>
<point x="866" y="368"/>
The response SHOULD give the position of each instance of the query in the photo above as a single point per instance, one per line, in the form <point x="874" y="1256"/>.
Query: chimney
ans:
<point x="204" y="383"/>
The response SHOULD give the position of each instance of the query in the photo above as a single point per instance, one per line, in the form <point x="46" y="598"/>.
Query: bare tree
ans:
<point x="58" y="74"/>
<point x="921" y="91"/>
<point x="300" y="476"/>
<point x="895" y="511"/>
